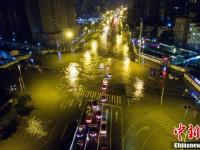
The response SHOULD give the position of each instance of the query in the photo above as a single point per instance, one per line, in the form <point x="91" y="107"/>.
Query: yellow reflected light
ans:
<point x="94" y="45"/>
<point x="119" y="39"/>
<point x="125" y="50"/>
<point x="87" y="60"/>
<point x="106" y="29"/>
<point x="72" y="73"/>
<point x="103" y="38"/>
<point x="87" y="55"/>
<point x="126" y="62"/>
<point x="139" y="86"/>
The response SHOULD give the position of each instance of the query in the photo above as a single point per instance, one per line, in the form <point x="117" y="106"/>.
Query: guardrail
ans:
<point x="151" y="58"/>
<point x="15" y="61"/>
<point x="191" y="81"/>
<point x="178" y="68"/>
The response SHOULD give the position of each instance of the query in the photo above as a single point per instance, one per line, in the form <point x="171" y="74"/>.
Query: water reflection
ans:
<point x="126" y="63"/>
<point x="126" y="70"/>
<point x="119" y="39"/>
<point x="104" y="39"/>
<point x="87" y="67"/>
<point x="139" y="88"/>
<point x="36" y="128"/>
<point x="71" y="74"/>
<point x="125" y="50"/>
<point x="94" y="46"/>
<point x="59" y="56"/>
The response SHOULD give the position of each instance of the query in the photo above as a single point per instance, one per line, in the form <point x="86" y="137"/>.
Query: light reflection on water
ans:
<point x="94" y="47"/>
<point x="139" y="88"/>
<point x="87" y="67"/>
<point x="119" y="39"/>
<point x="125" y="50"/>
<point x="104" y="39"/>
<point x="72" y="75"/>
<point x="59" y="56"/>
<point x="126" y="69"/>
<point x="36" y="128"/>
<point x="87" y="58"/>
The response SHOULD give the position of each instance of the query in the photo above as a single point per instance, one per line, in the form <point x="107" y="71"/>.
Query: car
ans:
<point x="81" y="130"/>
<point x="171" y="76"/>
<point x="101" y="66"/>
<point x="109" y="75"/>
<point x="104" y="87"/>
<point x="196" y="97"/>
<point x="95" y="106"/>
<point x="103" y="131"/>
<point x="98" y="114"/>
<point x="103" y="98"/>
<point x="80" y="143"/>
<point x="89" y="118"/>
<point x="107" y="67"/>
<point x="176" y="78"/>
<point x="93" y="130"/>
<point x="105" y="81"/>
<point x="105" y="148"/>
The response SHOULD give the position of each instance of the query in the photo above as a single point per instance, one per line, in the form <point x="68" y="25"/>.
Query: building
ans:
<point x="49" y="19"/>
<point x="147" y="10"/>
<point x="13" y="20"/>
<point x="194" y="35"/>
<point x="194" y="9"/>
<point x="33" y="16"/>
<point x="181" y="30"/>
<point x="71" y="13"/>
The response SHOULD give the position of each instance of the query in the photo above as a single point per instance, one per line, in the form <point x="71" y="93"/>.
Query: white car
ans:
<point x="101" y="66"/>
<point x="81" y="130"/>
<point x="95" y="106"/>
<point x="93" y="130"/>
<point x="171" y="76"/>
<point x="98" y="115"/>
<point x="103" y="98"/>
<point x="103" y="130"/>
<point x="105" y="81"/>
<point x="109" y="75"/>
<point x="88" y="119"/>
<point x="104" y="87"/>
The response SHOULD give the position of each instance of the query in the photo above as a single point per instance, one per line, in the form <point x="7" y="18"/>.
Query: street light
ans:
<point x="186" y="109"/>
<point x="69" y="35"/>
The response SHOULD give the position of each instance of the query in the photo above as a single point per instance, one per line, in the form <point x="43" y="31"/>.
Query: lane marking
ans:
<point x="122" y="129"/>
<point x="71" y="146"/>
<point x="99" y="132"/>
<point x="111" y="129"/>
<point x="116" y="115"/>
<point x="63" y="133"/>
<point x="142" y="129"/>
<point x="148" y="137"/>
<point x="120" y="100"/>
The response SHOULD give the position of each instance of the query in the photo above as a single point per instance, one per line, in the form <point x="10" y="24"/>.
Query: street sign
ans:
<point x="165" y="60"/>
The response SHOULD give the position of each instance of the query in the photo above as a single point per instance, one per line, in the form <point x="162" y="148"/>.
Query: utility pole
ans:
<point x="21" y="79"/>
<point x="140" y="44"/>
<point x="163" y="88"/>
<point x="186" y="109"/>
